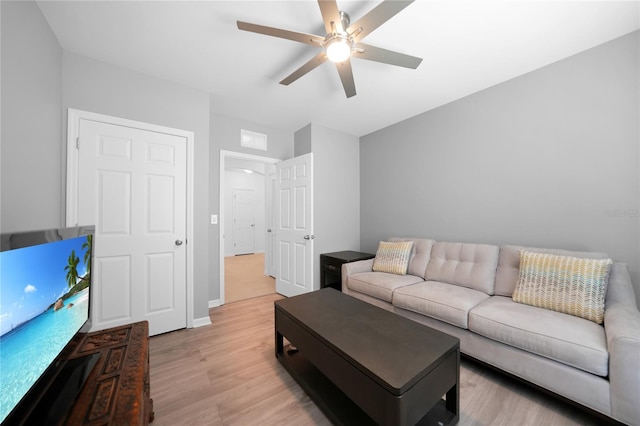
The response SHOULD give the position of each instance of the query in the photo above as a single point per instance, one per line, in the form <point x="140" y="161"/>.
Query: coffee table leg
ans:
<point x="279" y="344"/>
<point x="452" y="401"/>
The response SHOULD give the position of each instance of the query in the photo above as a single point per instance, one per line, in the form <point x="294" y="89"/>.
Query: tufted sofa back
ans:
<point x="420" y="254"/>
<point x="466" y="265"/>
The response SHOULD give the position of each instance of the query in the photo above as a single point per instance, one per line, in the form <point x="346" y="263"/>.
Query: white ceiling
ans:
<point x="467" y="46"/>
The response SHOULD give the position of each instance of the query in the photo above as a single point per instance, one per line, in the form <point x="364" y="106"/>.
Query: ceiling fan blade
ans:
<point x="376" y="17"/>
<point x="378" y="54"/>
<point x="311" y="39"/>
<point x="330" y="13"/>
<point x="346" y="76"/>
<point x="317" y="60"/>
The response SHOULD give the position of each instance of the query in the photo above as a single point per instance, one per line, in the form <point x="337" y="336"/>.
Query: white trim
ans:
<point x="214" y="303"/>
<point x="73" y="126"/>
<point x="201" y="322"/>
<point x="238" y="155"/>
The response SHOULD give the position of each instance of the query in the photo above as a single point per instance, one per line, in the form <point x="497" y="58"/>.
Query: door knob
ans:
<point x="309" y="237"/>
<point x="178" y="242"/>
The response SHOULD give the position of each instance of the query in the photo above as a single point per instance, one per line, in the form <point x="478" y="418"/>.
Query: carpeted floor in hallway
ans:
<point x="244" y="277"/>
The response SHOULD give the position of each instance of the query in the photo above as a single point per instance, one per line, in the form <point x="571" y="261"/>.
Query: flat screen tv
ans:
<point x="45" y="286"/>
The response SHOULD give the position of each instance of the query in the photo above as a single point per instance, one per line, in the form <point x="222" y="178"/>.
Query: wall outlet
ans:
<point x="214" y="219"/>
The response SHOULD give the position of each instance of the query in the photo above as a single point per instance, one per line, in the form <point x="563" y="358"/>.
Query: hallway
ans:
<point x="244" y="277"/>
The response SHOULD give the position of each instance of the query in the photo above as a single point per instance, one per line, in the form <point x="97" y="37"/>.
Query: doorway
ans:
<point x="245" y="271"/>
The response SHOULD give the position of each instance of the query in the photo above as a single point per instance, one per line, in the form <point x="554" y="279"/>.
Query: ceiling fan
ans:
<point x="343" y="41"/>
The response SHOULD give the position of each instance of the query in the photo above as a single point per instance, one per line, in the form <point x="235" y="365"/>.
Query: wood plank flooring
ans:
<point x="227" y="374"/>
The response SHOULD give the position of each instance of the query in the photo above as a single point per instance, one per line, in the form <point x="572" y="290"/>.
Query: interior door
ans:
<point x="132" y="186"/>
<point x="244" y="218"/>
<point x="294" y="235"/>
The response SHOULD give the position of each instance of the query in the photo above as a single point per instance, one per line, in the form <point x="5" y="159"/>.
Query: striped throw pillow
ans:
<point x="572" y="285"/>
<point x="393" y="257"/>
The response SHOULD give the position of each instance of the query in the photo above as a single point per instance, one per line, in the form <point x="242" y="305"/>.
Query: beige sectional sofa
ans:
<point x="466" y="290"/>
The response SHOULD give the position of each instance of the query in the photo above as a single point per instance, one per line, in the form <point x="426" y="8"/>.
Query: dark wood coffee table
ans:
<point x="363" y="365"/>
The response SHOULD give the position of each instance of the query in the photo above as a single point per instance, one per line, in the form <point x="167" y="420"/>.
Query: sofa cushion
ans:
<point x="392" y="257"/>
<point x="467" y="265"/>
<point x="572" y="285"/>
<point x="420" y="254"/>
<point x="442" y="301"/>
<point x="509" y="265"/>
<point x="564" y="338"/>
<point x="379" y="284"/>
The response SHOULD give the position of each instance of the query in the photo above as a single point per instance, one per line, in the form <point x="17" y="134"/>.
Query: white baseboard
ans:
<point x="201" y="322"/>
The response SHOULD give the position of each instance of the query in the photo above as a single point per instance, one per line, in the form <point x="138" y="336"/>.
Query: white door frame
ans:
<point x="73" y="128"/>
<point x="223" y="156"/>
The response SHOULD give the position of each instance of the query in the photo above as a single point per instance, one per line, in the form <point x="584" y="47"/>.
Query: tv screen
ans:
<point x="44" y="302"/>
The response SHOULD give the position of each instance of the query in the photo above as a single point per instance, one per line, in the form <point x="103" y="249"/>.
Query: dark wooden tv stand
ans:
<point x="117" y="390"/>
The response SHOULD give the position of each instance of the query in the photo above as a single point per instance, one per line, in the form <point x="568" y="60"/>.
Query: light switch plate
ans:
<point x="214" y="219"/>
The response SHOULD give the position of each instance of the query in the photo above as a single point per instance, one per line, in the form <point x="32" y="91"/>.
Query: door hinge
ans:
<point x="78" y="143"/>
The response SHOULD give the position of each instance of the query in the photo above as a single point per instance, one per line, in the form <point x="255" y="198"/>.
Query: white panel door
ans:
<point x="132" y="187"/>
<point x="294" y="235"/>
<point x="244" y="218"/>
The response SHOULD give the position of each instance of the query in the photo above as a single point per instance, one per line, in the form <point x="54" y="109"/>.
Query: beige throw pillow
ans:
<point x="572" y="285"/>
<point x="393" y="257"/>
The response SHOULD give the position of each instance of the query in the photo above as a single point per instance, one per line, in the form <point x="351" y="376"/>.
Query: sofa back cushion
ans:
<point x="420" y="254"/>
<point x="467" y="265"/>
<point x="509" y="265"/>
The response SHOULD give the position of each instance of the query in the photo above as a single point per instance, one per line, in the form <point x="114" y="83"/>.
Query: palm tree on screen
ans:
<point x="87" y="254"/>
<point x="72" y="268"/>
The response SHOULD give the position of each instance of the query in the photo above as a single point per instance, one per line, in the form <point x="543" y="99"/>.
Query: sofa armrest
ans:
<point x="354" y="268"/>
<point x="622" y="328"/>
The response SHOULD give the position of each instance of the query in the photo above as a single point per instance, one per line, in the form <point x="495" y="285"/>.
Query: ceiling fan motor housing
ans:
<point x="338" y="44"/>
<point x="345" y="20"/>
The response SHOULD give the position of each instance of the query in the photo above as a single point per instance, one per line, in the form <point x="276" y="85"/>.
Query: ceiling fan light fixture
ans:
<point x="342" y="41"/>
<point x="338" y="48"/>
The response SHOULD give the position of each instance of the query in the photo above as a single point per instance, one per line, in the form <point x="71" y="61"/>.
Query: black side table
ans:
<point x="331" y="266"/>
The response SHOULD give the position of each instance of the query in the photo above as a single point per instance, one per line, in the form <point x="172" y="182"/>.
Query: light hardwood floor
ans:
<point x="244" y="278"/>
<point x="227" y="374"/>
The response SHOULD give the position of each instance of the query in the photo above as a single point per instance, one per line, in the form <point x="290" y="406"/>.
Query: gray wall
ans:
<point x="39" y="83"/>
<point x="32" y="173"/>
<point x="548" y="159"/>
<point x="98" y="87"/>
<point x="336" y="189"/>
<point x="303" y="141"/>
